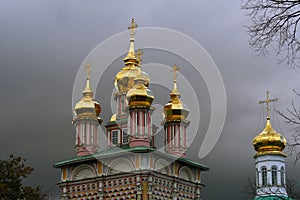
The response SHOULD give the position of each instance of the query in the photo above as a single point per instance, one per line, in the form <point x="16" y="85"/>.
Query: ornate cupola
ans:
<point x="139" y="99"/>
<point x="87" y="120"/>
<point x="175" y="121"/>
<point x="270" y="160"/>
<point x="269" y="141"/>
<point x="124" y="80"/>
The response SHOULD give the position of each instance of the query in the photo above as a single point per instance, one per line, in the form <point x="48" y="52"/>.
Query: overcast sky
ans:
<point x="43" y="43"/>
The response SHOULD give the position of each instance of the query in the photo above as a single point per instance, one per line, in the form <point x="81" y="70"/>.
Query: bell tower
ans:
<point x="270" y="160"/>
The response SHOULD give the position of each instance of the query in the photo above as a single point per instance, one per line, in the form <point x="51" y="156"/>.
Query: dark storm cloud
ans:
<point x="42" y="44"/>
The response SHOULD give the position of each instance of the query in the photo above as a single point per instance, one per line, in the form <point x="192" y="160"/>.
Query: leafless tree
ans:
<point x="274" y="25"/>
<point x="292" y="117"/>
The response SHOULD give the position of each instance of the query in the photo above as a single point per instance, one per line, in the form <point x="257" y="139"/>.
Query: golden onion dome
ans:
<point x="269" y="141"/>
<point x="139" y="95"/>
<point x="87" y="107"/>
<point x="175" y="109"/>
<point x="124" y="79"/>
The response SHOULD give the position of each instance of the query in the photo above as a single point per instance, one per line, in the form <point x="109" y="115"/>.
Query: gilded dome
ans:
<point x="87" y="107"/>
<point x="175" y="109"/>
<point x="269" y="141"/>
<point x="139" y="95"/>
<point x="113" y="118"/>
<point x="124" y="79"/>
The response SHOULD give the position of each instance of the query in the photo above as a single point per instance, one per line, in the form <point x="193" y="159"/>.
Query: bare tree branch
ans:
<point x="293" y="118"/>
<point x="291" y="185"/>
<point x="274" y="25"/>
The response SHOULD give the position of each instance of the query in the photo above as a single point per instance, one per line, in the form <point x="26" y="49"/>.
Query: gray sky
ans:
<point x="43" y="43"/>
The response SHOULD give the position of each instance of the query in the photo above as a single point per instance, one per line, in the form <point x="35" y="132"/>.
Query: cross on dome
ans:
<point x="132" y="27"/>
<point x="175" y="70"/>
<point x="267" y="101"/>
<point x="88" y="70"/>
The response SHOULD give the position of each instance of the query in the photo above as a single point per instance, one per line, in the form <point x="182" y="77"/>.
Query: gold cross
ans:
<point x="139" y="55"/>
<point x="267" y="101"/>
<point x="132" y="27"/>
<point x="88" y="70"/>
<point x="174" y="70"/>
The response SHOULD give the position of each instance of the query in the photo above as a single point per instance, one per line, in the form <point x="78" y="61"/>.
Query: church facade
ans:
<point x="130" y="167"/>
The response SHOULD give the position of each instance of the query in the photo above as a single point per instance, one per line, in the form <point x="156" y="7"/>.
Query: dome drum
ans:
<point x="139" y="95"/>
<point x="140" y="101"/>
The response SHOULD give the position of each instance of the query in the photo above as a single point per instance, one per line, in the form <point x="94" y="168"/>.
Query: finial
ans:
<point x="88" y="70"/>
<point x="130" y="54"/>
<point x="174" y="70"/>
<point x="139" y="56"/>
<point x="132" y="27"/>
<point x="267" y="101"/>
<point x="87" y="91"/>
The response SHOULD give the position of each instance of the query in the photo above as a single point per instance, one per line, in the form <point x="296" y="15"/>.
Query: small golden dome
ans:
<point x="113" y="118"/>
<point x="175" y="109"/>
<point x="139" y="95"/>
<point x="269" y="141"/>
<point x="87" y="107"/>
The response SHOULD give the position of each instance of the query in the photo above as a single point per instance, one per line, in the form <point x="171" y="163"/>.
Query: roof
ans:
<point x="114" y="151"/>
<point x="272" y="197"/>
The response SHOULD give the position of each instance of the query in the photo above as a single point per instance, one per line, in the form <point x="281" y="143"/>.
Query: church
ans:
<point x="130" y="167"/>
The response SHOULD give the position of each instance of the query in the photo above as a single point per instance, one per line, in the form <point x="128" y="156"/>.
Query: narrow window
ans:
<point x="282" y="175"/>
<point x="123" y="104"/>
<point x="274" y="175"/>
<point x="264" y="176"/>
<point x="92" y="135"/>
<point x="257" y="177"/>
<point x="125" y="135"/>
<point x="115" y="137"/>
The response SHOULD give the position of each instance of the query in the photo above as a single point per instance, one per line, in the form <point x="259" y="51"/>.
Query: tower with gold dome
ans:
<point x="87" y="121"/>
<point x="130" y="167"/>
<point x="175" y="122"/>
<point x="270" y="161"/>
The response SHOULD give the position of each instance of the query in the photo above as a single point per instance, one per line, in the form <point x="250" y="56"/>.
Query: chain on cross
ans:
<point x="267" y="101"/>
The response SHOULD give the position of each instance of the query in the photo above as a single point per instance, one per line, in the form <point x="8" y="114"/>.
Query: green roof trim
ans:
<point x="114" y="151"/>
<point x="273" y="197"/>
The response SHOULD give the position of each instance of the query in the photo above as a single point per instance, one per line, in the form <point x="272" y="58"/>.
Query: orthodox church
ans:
<point x="270" y="161"/>
<point x="130" y="167"/>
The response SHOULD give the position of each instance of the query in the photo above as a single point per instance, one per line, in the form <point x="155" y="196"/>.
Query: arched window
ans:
<point x="274" y="175"/>
<point x="186" y="173"/>
<point x="282" y="175"/>
<point x="264" y="177"/>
